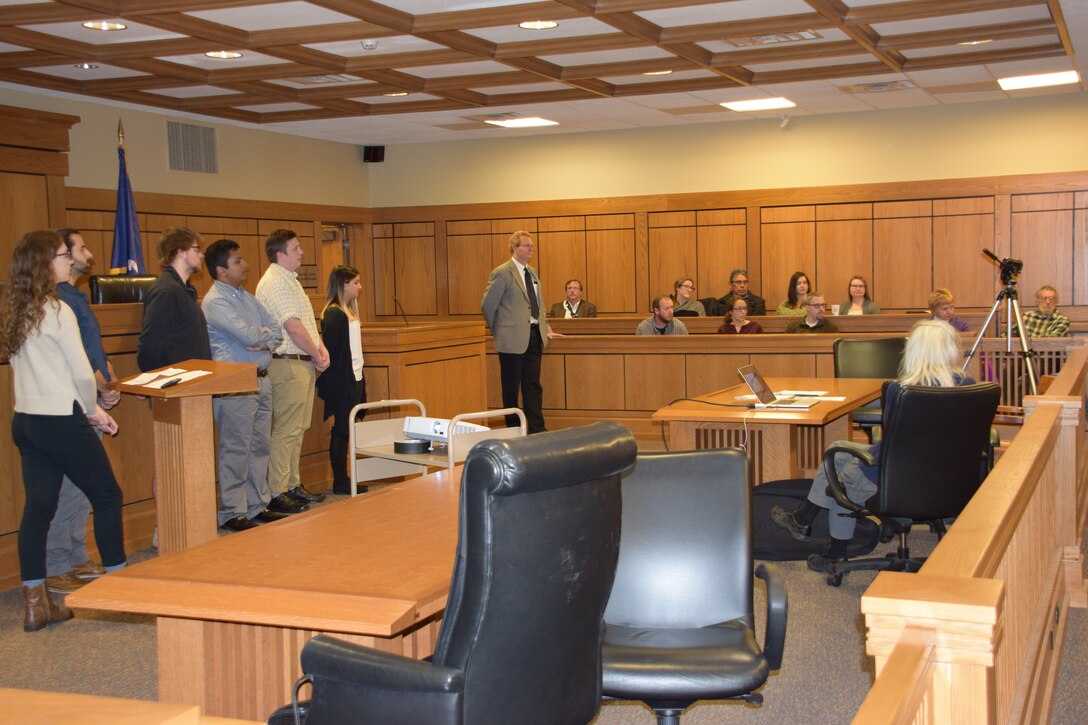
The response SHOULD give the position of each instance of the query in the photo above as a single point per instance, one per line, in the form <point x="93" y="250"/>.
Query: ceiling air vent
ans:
<point x="749" y="41"/>
<point x="878" y="87"/>
<point x="192" y="148"/>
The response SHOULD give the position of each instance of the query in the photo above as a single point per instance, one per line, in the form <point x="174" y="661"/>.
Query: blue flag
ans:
<point x="128" y="254"/>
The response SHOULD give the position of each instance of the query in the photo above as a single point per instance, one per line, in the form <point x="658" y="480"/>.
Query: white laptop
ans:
<point x="766" y="396"/>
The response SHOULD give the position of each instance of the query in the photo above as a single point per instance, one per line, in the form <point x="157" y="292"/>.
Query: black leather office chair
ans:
<point x="111" y="288"/>
<point x="929" y="464"/>
<point x="521" y="637"/>
<point x="679" y="623"/>
<point x="868" y="358"/>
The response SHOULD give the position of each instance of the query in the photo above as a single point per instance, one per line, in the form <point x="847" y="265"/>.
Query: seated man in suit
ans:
<point x="661" y="322"/>
<point x="574" y="305"/>
<point x="814" y="320"/>
<point x="738" y="283"/>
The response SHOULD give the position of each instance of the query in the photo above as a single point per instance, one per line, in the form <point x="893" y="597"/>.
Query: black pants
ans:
<point x="54" y="446"/>
<point x="338" y="436"/>
<point x="523" y="371"/>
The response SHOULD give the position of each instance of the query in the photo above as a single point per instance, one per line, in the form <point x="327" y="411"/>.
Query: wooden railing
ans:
<point x="976" y="635"/>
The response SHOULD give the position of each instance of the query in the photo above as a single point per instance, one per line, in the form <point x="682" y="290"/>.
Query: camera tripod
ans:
<point x="1010" y="268"/>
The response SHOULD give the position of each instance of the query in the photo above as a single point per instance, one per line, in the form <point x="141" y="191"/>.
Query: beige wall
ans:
<point x="253" y="164"/>
<point x="1031" y="135"/>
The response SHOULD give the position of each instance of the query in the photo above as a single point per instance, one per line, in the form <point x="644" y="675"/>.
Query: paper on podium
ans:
<point x="181" y="376"/>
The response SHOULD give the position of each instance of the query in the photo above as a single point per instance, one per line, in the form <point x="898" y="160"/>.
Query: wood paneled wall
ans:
<point x="904" y="238"/>
<point x="33" y="164"/>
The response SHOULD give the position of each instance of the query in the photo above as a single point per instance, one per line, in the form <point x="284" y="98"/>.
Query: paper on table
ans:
<point x="146" y="378"/>
<point x="182" y="376"/>
<point x="833" y="398"/>
<point x="800" y="393"/>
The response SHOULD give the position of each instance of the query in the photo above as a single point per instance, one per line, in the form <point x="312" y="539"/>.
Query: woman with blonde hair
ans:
<point x="943" y="308"/>
<point x="56" y="412"/>
<point x="932" y="358"/>
<point x="342" y="385"/>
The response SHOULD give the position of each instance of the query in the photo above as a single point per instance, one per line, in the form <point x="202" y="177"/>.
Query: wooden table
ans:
<point x="782" y="443"/>
<point x="235" y="613"/>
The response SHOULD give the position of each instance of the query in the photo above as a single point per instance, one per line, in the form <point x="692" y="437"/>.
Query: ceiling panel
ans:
<point x="321" y="67"/>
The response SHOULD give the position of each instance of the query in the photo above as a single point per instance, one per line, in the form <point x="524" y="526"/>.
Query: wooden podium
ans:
<point x="185" y="494"/>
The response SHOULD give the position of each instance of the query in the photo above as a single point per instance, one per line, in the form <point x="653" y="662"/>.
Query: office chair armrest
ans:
<point x="833" y="484"/>
<point x="358" y="684"/>
<point x="774" y="634"/>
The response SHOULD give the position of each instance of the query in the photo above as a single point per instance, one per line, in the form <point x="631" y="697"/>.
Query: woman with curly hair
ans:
<point x="56" y="412"/>
<point x="342" y="385"/>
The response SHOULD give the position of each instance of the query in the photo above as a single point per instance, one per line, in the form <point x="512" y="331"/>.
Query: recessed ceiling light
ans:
<point x="532" y="122"/>
<point x="223" y="54"/>
<point x="85" y="66"/>
<point x="976" y="42"/>
<point x="657" y="73"/>
<point x="104" y="25"/>
<point x="759" y="104"/>
<point x="369" y="44"/>
<point x="538" y="25"/>
<point x="398" y="94"/>
<point x="1038" y="81"/>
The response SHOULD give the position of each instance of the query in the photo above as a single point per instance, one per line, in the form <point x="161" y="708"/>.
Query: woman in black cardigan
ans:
<point x="342" y="385"/>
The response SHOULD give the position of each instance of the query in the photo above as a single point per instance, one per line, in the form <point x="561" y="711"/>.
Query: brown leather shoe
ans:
<point x="41" y="610"/>
<point x="63" y="583"/>
<point x="88" y="570"/>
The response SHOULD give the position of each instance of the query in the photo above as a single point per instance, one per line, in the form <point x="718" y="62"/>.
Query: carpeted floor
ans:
<point x="824" y="677"/>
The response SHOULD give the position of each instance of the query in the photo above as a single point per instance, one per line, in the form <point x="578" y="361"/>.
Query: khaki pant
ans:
<point x="292" y="410"/>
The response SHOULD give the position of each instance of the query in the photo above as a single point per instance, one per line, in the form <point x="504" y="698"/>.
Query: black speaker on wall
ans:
<point x="373" y="154"/>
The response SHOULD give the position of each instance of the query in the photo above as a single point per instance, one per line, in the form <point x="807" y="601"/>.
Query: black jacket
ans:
<point x="336" y="386"/>
<point x="174" y="328"/>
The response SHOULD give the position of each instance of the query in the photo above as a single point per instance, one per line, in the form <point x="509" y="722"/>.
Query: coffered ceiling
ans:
<point x="402" y="71"/>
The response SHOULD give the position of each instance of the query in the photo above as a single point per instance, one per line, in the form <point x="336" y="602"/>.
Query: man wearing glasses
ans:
<point x="174" y="328"/>
<point x="813" y="322"/>
<point x="738" y="284"/>
<point x="1046" y="321"/>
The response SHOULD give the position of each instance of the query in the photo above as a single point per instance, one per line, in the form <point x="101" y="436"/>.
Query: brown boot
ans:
<point x="41" y="610"/>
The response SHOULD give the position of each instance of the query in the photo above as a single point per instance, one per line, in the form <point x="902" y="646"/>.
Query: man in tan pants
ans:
<point x="292" y="371"/>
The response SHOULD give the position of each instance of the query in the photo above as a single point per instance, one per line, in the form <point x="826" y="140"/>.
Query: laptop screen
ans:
<point x="756" y="384"/>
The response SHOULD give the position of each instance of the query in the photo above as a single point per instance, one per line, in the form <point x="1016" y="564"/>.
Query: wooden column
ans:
<point x="966" y="616"/>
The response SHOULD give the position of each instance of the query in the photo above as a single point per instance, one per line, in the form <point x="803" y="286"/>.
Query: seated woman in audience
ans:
<point x="686" y="304"/>
<point x="859" y="302"/>
<point x="342" y="385"/>
<point x="799" y="287"/>
<point x="932" y="358"/>
<point x="943" y="308"/>
<point x="56" y="412"/>
<point x="737" y="322"/>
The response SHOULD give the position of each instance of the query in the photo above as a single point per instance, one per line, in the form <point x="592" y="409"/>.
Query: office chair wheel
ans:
<point x="834" y="579"/>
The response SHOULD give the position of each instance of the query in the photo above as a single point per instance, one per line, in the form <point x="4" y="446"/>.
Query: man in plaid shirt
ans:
<point x="1046" y="321"/>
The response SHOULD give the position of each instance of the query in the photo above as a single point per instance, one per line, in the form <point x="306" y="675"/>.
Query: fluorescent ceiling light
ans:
<point x="657" y="73"/>
<point x="223" y="54"/>
<point x="759" y="104"/>
<point x="104" y="25"/>
<point x="538" y="25"/>
<point x="395" y="94"/>
<point x="1038" y="81"/>
<point x="532" y="122"/>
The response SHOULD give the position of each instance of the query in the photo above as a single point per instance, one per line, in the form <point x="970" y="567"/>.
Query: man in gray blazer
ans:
<point x="514" y="311"/>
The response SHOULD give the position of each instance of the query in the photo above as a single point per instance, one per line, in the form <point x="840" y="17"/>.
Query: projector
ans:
<point x="437" y="429"/>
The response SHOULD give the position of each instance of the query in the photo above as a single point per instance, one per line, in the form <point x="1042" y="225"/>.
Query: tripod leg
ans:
<point x="1025" y="351"/>
<point x="982" y="331"/>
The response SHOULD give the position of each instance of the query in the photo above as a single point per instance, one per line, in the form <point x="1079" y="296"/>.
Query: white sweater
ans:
<point x="51" y="368"/>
